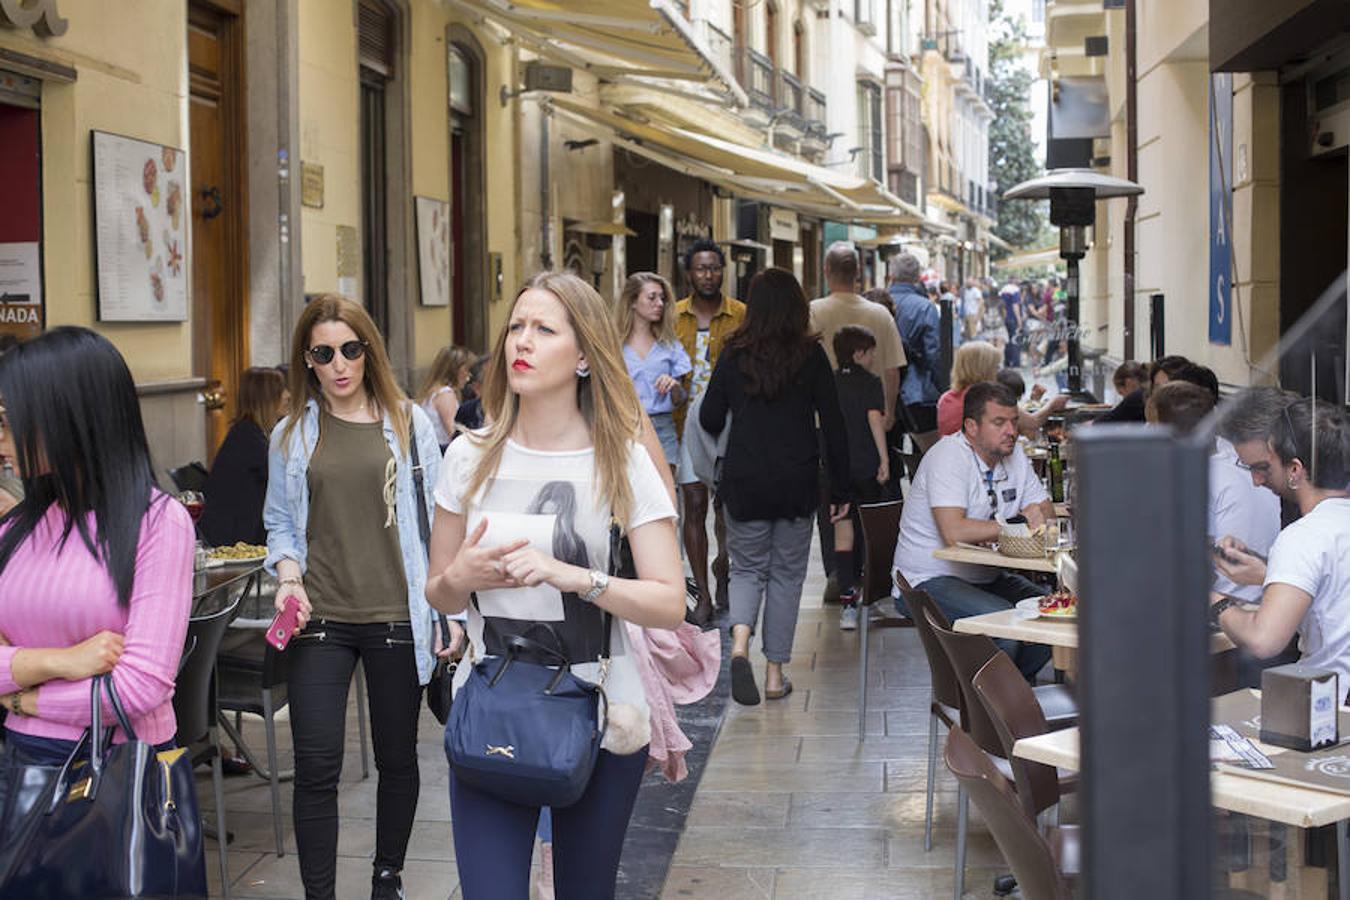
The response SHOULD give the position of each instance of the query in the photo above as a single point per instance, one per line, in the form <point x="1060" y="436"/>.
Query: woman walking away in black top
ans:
<point x="774" y="378"/>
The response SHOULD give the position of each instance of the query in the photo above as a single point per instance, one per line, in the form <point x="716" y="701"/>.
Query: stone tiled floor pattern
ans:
<point x="790" y="805"/>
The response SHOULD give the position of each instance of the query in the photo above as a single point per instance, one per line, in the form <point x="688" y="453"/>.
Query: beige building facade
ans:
<point x="1188" y="100"/>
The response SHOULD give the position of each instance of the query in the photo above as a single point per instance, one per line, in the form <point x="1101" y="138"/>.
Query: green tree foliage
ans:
<point x="1012" y="156"/>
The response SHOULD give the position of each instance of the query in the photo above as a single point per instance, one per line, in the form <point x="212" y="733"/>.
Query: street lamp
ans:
<point x="1073" y="194"/>
<point x="599" y="238"/>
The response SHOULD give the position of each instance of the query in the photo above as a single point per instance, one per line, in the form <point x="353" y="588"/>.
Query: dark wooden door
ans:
<point x="219" y="253"/>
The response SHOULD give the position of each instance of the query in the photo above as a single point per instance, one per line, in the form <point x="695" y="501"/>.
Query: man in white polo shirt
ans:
<point x="962" y="483"/>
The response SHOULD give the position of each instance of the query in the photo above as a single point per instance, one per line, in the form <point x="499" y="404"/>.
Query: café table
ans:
<point x="213" y="586"/>
<point x="1289" y="804"/>
<point x="985" y="556"/>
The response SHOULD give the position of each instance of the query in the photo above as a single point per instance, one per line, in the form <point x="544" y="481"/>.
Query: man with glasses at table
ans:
<point x="965" y="483"/>
<point x="703" y="320"/>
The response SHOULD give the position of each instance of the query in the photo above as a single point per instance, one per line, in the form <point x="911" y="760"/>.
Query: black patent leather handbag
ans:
<point x="120" y="822"/>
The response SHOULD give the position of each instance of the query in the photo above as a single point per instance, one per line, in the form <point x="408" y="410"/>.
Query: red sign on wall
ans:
<point x="21" y="309"/>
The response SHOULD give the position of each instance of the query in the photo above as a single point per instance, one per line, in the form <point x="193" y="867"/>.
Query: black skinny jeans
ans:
<point x="322" y="659"/>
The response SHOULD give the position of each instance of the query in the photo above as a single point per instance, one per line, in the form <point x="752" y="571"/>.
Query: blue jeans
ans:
<point x="958" y="599"/>
<point x="493" y="846"/>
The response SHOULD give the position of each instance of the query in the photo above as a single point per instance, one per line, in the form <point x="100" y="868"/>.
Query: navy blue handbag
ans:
<point x="524" y="728"/>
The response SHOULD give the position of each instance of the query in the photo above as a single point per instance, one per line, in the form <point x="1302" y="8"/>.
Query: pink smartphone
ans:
<point x="281" y="630"/>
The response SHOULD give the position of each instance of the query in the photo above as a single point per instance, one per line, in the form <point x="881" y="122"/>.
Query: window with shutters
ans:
<point x="871" y="158"/>
<point x="376" y="53"/>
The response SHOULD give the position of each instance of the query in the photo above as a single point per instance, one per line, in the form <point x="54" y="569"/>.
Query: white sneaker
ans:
<point x="848" y="618"/>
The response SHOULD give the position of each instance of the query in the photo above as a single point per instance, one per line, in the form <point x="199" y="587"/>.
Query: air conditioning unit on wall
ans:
<point x="1329" y="107"/>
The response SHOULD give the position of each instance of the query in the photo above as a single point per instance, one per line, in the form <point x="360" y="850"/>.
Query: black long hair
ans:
<point x="776" y="338"/>
<point x="80" y="442"/>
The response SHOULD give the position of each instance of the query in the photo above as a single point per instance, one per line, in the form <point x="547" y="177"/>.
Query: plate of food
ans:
<point x="1062" y="605"/>
<point x="237" y="553"/>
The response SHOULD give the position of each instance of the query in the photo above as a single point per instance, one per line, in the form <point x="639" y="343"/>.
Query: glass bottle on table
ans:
<point x="1055" y="469"/>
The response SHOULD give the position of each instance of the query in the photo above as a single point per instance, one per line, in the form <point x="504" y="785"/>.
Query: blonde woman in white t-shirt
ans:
<point x="1306" y="583"/>
<point x="522" y="525"/>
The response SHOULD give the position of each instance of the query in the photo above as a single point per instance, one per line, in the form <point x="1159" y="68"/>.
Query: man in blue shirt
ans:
<point x="919" y="322"/>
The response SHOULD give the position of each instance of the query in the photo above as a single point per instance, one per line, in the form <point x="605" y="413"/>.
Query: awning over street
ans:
<point x="1045" y="256"/>
<point x="618" y="40"/>
<point x="755" y="173"/>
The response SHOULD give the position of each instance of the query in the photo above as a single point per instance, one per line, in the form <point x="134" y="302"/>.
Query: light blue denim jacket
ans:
<point x="286" y="512"/>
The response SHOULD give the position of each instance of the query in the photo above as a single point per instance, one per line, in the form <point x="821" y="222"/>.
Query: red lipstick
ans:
<point x="521" y="365"/>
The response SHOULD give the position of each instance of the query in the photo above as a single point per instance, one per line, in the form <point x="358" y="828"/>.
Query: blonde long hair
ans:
<point x="445" y="369"/>
<point x="663" y="331"/>
<point x="975" y="361"/>
<point x="606" y="398"/>
<point x="382" y="390"/>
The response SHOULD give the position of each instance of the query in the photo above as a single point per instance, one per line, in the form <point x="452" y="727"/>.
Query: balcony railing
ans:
<point x="791" y="99"/>
<point x="755" y="71"/>
<point x="720" y="46"/>
<point x="814" y="111"/>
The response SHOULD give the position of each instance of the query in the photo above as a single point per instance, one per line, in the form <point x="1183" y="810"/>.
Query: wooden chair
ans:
<point x="944" y="700"/>
<point x="1044" y="864"/>
<point x="880" y="528"/>
<point x="967" y="654"/>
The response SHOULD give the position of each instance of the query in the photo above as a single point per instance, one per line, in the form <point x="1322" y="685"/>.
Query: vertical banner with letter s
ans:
<point x="1220" y="195"/>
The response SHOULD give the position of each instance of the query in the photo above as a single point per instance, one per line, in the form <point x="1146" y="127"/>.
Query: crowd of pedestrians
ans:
<point x="550" y="497"/>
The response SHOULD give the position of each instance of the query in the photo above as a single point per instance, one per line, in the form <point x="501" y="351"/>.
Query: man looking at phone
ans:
<point x="965" y="485"/>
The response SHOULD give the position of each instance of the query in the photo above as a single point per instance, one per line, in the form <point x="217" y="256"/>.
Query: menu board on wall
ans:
<point x="433" y="250"/>
<point x="141" y="211"/>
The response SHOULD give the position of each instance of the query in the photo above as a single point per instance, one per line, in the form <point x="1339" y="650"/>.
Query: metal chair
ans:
<point x="190" y="477"/>
<point x="880" y="528"/>
<point x="257" y="685"/>
<point x="193" y="708"/>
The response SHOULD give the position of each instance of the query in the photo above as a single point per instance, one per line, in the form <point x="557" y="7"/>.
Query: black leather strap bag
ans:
<point x="443" y="674"/>
<point x="124" y="823"/>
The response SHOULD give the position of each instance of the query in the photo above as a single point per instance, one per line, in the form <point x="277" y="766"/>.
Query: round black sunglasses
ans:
<point x="322" y="354"/>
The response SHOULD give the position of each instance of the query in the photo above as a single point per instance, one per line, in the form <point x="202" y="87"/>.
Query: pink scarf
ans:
<point x="677" y="666"/>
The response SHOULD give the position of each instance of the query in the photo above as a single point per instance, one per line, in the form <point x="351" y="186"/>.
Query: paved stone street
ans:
<point x="789" y="804"/>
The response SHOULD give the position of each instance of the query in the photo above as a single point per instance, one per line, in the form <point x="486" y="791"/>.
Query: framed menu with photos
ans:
<point x="433" y="250"/>
<point x="141" y="210"/>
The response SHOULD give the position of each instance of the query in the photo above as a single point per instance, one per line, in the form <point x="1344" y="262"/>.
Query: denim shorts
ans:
<point x="664" y="425"/>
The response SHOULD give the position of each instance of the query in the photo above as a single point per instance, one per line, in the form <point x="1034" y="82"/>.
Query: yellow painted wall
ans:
<point x="123" y="88"/>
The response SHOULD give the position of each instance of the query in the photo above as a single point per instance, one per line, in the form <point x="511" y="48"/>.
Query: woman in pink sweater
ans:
<point x="95" y="562"/>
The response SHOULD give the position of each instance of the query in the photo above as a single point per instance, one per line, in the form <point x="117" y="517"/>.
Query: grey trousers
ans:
<point x="768" y="565"/>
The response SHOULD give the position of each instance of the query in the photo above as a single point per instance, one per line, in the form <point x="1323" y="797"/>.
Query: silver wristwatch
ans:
<point x="599" y="581"/>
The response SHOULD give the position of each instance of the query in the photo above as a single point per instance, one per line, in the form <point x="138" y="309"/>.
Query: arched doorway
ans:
<point x="468" y="220"/>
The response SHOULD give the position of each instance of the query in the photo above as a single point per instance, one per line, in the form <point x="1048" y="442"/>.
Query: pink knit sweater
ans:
<point x="53" y="596"/>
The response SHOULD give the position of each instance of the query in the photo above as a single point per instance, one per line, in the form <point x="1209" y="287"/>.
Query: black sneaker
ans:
<point x="386" y="884"/>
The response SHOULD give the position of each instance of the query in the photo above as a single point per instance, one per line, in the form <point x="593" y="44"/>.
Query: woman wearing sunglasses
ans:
<point x="342" y="538"/>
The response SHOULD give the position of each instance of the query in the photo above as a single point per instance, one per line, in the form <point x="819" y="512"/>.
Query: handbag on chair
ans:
<point x="123" y="824"/>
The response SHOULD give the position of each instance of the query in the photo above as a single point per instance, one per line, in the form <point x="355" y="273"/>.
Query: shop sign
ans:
<point x="21" y="289"/>
<point x="1220" y="198"/>
<point x="39" y="15"/>
<point x="783" y="225"/>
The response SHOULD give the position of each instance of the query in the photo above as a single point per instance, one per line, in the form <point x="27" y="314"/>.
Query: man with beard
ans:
<point x="965" y="483"/>
<point x="703" y="320"/>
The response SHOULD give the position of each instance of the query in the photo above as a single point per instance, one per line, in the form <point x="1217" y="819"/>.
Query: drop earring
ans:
<point x="583" y="372"/>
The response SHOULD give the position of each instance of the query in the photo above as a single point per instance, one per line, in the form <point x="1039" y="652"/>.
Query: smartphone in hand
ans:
<point x="281" y="630"/>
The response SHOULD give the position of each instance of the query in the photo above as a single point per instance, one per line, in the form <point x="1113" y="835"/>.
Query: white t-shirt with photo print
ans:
<point x="549" y="498"/>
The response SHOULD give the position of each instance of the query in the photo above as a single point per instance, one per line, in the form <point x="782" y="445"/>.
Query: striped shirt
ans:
<point x="57" y="596"/>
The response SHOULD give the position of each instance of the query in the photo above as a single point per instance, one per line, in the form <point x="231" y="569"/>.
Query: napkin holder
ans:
<point x="1299" y="707"/>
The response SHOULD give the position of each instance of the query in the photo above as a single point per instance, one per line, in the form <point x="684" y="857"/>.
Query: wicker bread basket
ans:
<point x="1030" y="546"/>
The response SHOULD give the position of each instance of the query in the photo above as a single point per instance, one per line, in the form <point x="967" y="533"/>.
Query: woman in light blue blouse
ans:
<point x="656" y="360"/>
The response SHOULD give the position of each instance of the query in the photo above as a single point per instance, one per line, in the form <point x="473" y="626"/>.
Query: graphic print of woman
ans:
<point x="579" y="634"/>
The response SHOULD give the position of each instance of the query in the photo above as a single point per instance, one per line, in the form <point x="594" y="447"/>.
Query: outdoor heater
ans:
<point x="1073" y="194"/>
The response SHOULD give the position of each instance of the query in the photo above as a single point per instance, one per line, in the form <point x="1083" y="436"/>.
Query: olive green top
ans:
<point x="355" y="567"/>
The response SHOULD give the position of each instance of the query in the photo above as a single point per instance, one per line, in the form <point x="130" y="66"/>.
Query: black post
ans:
<point x="1157" y="323"/>
<point x="942" y="377"/>
<point x="1071" y="326"/>
<point x="1143" y="690"/>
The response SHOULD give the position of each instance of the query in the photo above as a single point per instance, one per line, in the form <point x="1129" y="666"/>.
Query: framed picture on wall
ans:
<point x="433" y="250"/>
<point x="141" y="210"/>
